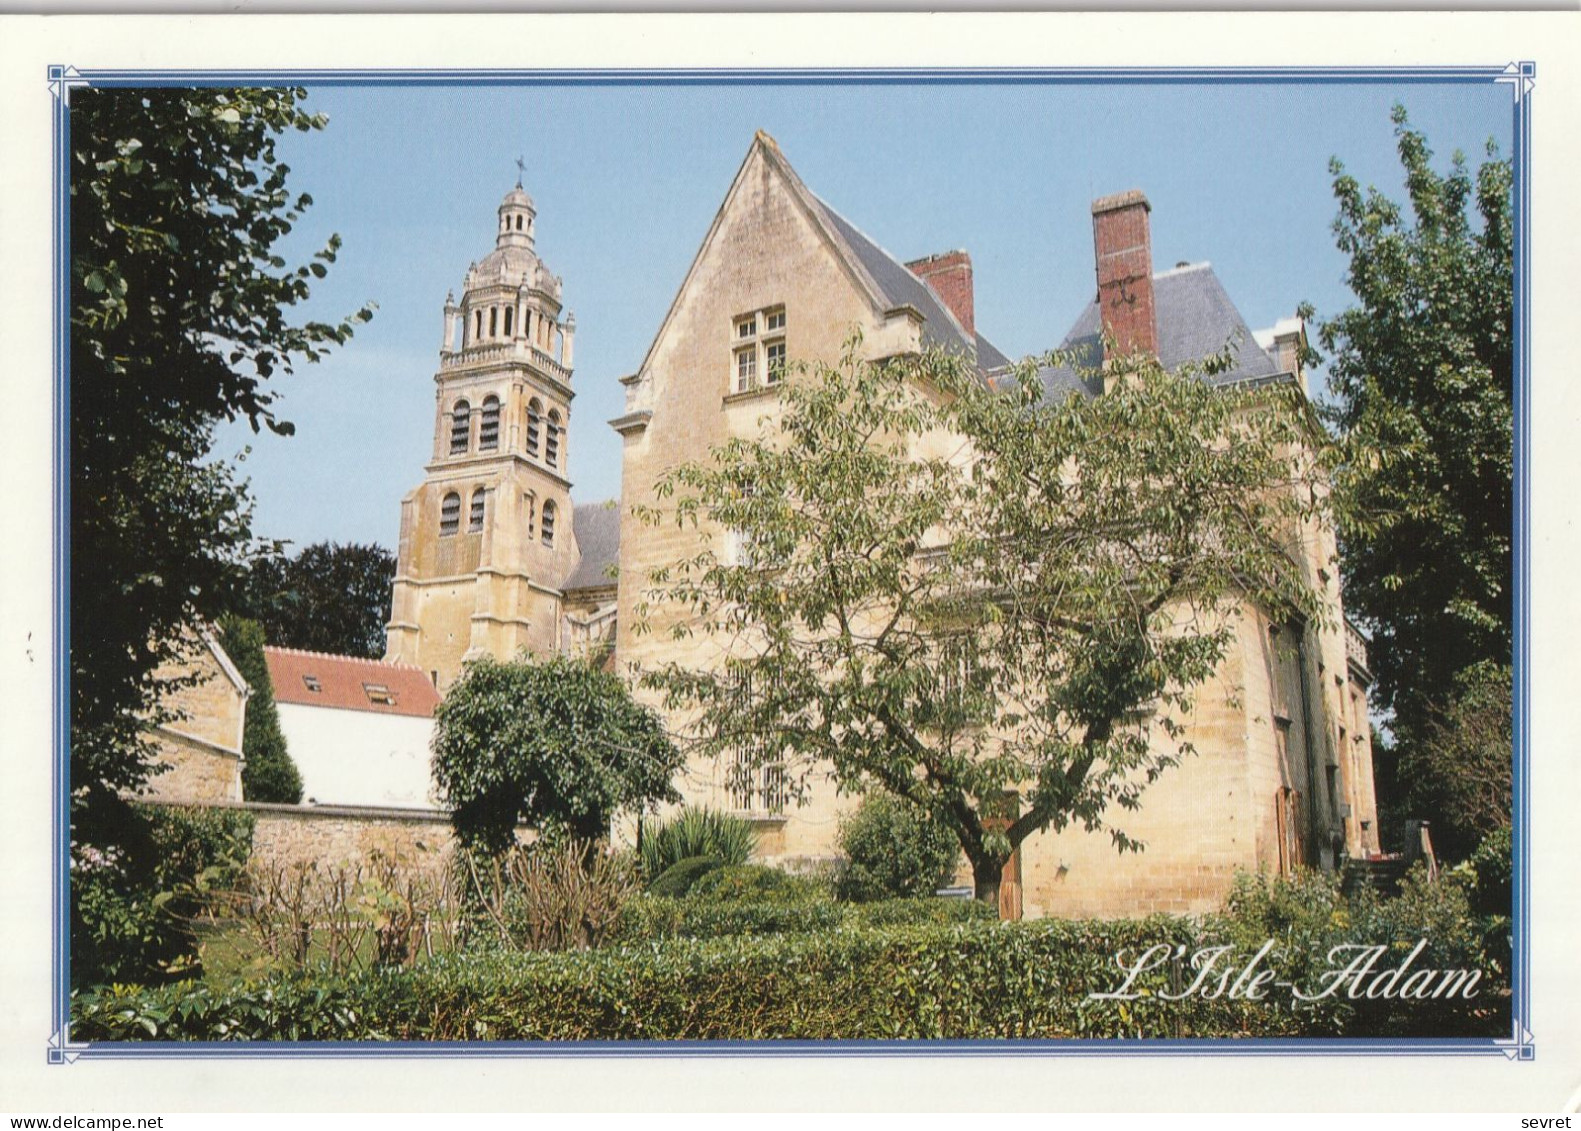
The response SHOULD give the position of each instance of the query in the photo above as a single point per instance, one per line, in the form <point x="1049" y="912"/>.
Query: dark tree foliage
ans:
<point x="1422" y="372"/>
<point x="1457" y="771"/>
<point x="268" y="774"/>
<point x="555" y="743"/>
<point x="329" y="598"/>
<point x="180" y="314"/>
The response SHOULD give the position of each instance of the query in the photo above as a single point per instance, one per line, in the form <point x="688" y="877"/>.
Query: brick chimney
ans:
<point x="949" y="274"/>
<point x="1124" y="254"/>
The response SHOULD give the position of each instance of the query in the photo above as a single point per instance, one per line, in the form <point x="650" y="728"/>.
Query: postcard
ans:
<point x="961" y="561"/>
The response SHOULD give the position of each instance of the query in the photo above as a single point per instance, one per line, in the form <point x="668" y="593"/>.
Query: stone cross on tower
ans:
<point x="521" y="171"/>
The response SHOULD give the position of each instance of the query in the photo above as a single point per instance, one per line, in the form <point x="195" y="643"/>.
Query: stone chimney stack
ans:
<point x="949" y="274"/>
<point x="1124" y="253"/>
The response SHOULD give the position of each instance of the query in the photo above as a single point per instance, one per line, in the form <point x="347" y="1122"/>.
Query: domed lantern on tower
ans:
<point x="486" y="539"/>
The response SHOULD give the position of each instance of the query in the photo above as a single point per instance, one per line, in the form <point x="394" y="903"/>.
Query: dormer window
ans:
<point x="312" y="684"/>
<point x="379" y="695"/>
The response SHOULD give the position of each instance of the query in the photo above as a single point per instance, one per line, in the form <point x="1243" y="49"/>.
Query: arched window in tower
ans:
<point x="551" y="440"/>
<point x="534" y="416"/>
<point x="475" y="519"/>
<point x="450" y="515"/>
<point x="494" y="321"/>
<point x="477" y="329"/>
<point x="518" y="223"/>
<point x="529" y="509"/>
<point x="489" y="426"/>
<point x="509" y="319"/>
<point x="460" y="427"/>
<point x="546" y="527"/>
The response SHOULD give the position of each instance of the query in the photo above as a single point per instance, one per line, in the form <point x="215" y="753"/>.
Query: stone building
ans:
<point x="199" y="748"/>
<point x="358" y="730"/>
<point x="489" y="560"/>
<point x="1283" y="774"/>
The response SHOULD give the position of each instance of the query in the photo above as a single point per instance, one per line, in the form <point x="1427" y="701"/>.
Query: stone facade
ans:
<point x="201" y="747"/>
<point x="1282" y="774"/>
<point x="487" y="539"/>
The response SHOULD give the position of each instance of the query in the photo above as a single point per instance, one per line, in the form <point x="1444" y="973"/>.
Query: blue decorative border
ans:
<point x="1518" y="1046"/>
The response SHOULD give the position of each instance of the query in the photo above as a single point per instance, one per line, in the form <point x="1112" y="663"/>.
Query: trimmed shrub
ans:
<point x="969" y="981"/>
<point x="893" y="850"/>
<point x="678" y="879"/>
<point x="926" y="911"/>
<point x="696" y="832"/>
<point x="653" y="918"/>
<point x="755" y="882"/>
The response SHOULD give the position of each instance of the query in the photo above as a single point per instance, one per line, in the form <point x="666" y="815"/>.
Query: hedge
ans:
<point x="785" y="910"/>
<point x="974" y="980"/>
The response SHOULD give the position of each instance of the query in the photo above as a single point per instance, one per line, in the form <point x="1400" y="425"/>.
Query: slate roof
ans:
<point x="597" y="527"/>
<point x="1196" y="320"/>
<point x="350" y="683"/>
<point x="901" y="288"/>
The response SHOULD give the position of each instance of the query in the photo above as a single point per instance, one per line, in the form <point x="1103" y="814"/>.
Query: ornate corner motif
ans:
<point x="1521" y="77"/>
<point x="61" y="1049"/>
<point x="1519" y="1047"/>
<point x="61" y="80"/>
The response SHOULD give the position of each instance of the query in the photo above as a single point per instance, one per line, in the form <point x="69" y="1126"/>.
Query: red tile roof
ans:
<point x="318" y="679"/>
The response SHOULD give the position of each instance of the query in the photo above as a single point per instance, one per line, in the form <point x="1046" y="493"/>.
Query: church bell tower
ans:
<point x="486" y="538"/>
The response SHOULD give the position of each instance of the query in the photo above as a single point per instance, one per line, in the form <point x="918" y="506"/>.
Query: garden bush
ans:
<point x="557" y="894"/>
<point x="919" y="912"/>
<point x="696" y="832"/>
<point x="678" y="879"/>
<point x="652" y="918"/>
<point x="893" y="850"/>
<point x="1490" y="889"/>
<point x="134" y="911"/>
<point x="755" y="881"/>
<point x="1307" y="918"/>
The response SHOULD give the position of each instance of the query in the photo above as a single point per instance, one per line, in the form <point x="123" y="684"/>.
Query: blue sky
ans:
<point x="627" y="180"/>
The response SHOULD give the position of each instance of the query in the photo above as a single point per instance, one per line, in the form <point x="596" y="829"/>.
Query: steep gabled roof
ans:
<point x="320" y="679"/>
<point x="597" y="527"/>
<point x="883" y="279"/>
<point x="899" y="287"/>
<point x="1196" y="321"/>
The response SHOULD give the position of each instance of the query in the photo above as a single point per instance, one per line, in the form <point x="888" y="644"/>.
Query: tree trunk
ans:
<point x="986" y="874"/>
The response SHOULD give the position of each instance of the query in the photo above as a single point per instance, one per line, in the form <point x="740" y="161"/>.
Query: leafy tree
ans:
<point x="893" y="851"/>
<point x="1457" y="771"/>
<point x="1422" y="374"/>
<point x="555" y="743"/>
<point x="329" y="598"/>
<point x="268" y="774"/>
<point x="1006" y="641"/>
<point x="179" y="316"/>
